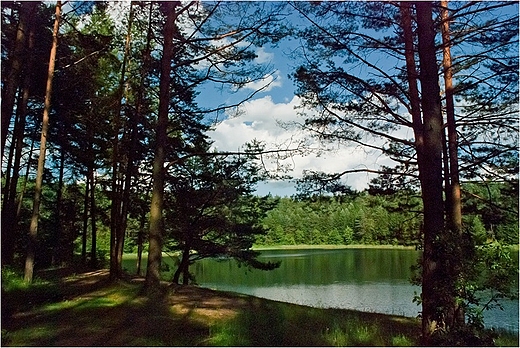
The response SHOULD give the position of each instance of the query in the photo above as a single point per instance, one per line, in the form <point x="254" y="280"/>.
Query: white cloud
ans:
<point x="260" y="119"/>
<point x="270" y="80"/>
<point x="262" y="56"/>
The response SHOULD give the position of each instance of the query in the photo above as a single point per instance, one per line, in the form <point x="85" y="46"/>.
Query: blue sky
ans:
<point x="260" y="119"/>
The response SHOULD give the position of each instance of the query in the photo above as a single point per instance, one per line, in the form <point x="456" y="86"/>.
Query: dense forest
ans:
<point x="364" y="218"/>
<point x="106" y="147"/>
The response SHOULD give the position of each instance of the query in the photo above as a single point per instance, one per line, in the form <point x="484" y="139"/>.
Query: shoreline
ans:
<point x="333" y="246"/>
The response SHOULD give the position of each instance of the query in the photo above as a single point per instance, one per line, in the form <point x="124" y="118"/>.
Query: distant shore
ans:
<point x="329" y="246"/>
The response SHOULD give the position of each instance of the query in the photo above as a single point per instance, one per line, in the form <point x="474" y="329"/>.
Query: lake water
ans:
<point x="371" y="280"/>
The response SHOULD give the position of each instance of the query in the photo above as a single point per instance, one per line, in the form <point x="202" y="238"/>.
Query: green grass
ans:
<point x="100" y="314"/>
<point x="276" y="323"/>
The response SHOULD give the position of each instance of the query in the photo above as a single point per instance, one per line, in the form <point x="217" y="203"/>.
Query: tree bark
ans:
<point x="116" y="215"/>
<point x="85" y="220"/>
<point x="140" y="238"/>
<point x="19" y="199"/>
<point x="156" y="215"/>
<point x="430" y="167"/>
<point x="453" y="196"/>
<point x="56" y="243"/>
<point x="9" y="218"/>
<point x="12" y="80"/>
<point x="139" y="114"/>
<point x="183" y="267"/>
<point x="93" y="245"/>
<point x="33" y="229"/>
<point x="135" y="118"/>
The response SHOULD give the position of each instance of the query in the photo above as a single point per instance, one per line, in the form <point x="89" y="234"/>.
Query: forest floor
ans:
<point x="86" y="309"/>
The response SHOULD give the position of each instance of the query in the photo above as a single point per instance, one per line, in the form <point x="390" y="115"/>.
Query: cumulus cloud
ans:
<point x="260" y="119"/>
<point x="270" y="80"/>
<point x="262" y="56"/>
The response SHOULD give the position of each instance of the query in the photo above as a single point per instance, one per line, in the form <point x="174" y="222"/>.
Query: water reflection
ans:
<point x="371" y="280"/>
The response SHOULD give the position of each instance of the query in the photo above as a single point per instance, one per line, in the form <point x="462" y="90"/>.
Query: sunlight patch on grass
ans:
<point x="59" y="306"/>
<point x="27" y="336"/>
<point x="227" y="334"/>
<point x="13" y="280"/>
<point x="107" y="298"/>
<point x="353" y="332"/>
<point x="402" y="341"/>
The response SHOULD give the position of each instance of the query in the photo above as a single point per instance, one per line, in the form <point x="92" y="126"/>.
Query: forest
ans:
<point x="107" y="110"/>
<point x="364" y="218"/>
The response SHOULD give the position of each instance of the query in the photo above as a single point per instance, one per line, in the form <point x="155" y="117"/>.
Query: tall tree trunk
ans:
<point x="186" y="271"/>
<point x="19" y="200"/>
<point x="140" y="240"/>
<point x="33" y="229"/>
<point x="140" y="100"/>
<point x="156" y="214"/>
<point x="93" y="245"/>
<point x="183" y="267"/>
<point x="132" y="150"/>
<point x="9" y="218"/>
<point x="146" y="58"/>
<point x="11" y="83"/>
<point x="85" y="219"/>
<point x="116" y="232"/>
<point x="453" y="197"/>
<point x="430" y="167"/>
<point x="412" y="75"/>
<point x="56" y="243"/>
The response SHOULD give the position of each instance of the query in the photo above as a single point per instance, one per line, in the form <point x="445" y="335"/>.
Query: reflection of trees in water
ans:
<point x="316" y="267"/>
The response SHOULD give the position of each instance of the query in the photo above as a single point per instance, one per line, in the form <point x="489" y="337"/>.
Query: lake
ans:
<point x="365" y="279"/>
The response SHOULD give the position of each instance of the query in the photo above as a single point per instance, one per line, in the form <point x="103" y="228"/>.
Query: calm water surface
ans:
<point x="372" y="280"/>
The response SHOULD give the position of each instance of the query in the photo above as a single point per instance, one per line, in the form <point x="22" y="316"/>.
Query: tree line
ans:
<point x="102" y="132"/>
<point x="389" y="219"/>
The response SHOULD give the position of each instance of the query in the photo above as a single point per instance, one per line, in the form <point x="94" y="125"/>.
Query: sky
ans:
<point x="261" y="118"/>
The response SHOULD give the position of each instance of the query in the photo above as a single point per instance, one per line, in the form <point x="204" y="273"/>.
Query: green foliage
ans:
<point x="490" y="276"/>
<point x="340" y="220"/>
<point x="390" y="218"/>
<point x="211" y="211"/>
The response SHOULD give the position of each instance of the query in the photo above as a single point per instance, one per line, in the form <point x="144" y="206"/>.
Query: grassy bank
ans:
<point x="87" y="310"/>
<point x="330" y="246"/>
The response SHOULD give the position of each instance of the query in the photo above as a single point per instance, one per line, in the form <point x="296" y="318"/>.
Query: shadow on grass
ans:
<point x="110" y="315"/>
<point x="271" y="323"/>
<point x="49" y="286"/>
<point x="88" y="310"/>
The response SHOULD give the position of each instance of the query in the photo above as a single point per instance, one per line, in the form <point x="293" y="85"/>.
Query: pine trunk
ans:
<point x="140" y="238"/>
<point x="430" y="167"/>
<point x="12" y="81"/>
<point x="156" y="217"/>
<point x="117" y="228"/>
<point x="453" y="196"/>
<point x="9" y="214"/>
<point x="93" y="245"/>
<point x="85" y="220"/>
<point x="183" y="268"/>
<point x="58" y="237"/>
<point x="33" y="229"/>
